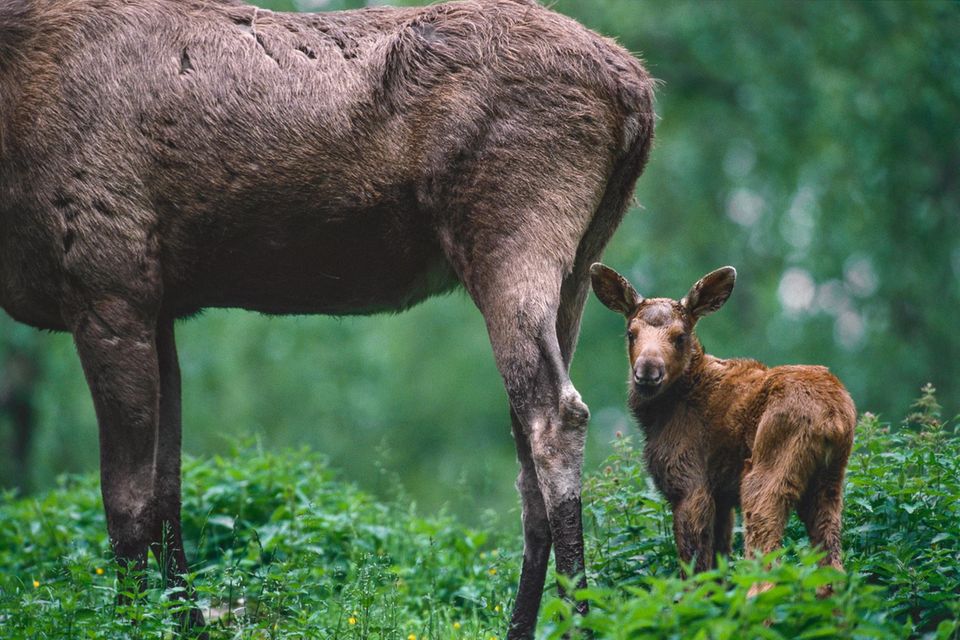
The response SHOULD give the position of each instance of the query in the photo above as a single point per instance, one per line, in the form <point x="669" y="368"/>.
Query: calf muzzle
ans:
<point x="648" y="373"/>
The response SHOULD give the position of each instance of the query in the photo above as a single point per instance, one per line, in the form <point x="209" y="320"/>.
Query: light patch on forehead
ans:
<point x="658" y="312"/>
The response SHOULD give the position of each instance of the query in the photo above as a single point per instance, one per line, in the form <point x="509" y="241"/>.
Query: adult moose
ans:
<point x="161" y="156"/>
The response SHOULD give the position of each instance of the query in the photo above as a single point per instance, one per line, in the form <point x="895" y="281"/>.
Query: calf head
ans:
<point x="660" y="336"/>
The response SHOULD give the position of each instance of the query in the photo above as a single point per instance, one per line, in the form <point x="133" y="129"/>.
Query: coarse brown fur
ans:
<point x="726" y="433"/>
<point x="162" y="156"/>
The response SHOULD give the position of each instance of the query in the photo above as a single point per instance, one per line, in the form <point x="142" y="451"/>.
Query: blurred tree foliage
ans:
<point x="814" y="146"/>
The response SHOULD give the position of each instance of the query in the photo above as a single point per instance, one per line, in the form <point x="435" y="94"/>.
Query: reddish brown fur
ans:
<point x="723" y="433"/>
<point x="162" y="156"/>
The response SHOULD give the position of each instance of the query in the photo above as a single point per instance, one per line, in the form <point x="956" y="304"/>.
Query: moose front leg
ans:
<point x="116" y="343"/>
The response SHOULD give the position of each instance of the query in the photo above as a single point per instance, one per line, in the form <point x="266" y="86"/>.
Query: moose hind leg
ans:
<point x="512" y="231"/>
<point x="168" y="548"/>
<point x="536" y="536"/>
<point x="550" y="421"/>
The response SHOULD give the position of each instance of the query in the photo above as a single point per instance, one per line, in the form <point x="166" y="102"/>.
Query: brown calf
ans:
<point x="722" y="433"/>
<point x="162" y="156"/>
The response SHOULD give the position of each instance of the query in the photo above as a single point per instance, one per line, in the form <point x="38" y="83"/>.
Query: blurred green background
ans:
<point x="814" y="146"/>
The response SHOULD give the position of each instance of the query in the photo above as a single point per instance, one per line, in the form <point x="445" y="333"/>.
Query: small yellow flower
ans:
<point x="99" y="571"/>
<point x="492" y="571"/>
<point x="456" y="625"/>
<point x="36" y="584"/>
<point x="497" y="608"/>
<point x="412" y="636"/>
<point x="352" y="620"/>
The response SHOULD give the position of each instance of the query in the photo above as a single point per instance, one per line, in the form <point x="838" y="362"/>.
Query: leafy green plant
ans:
<point x="902" y="551"/>
<point x="283" y="549"/>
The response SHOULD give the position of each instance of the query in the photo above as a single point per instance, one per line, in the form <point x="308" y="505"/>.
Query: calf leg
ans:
<point x="765" y="512"/>
<point x="783" y="463"/>
<point x="820" y="511"/>
<point x="822" y="519"/>
<point x="766" y="507"/>
<point x="693" y="529"/>
<point x="776" y="476"/>
<point x="723" y="529"/>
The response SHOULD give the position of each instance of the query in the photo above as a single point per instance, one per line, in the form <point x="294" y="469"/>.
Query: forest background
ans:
<point x="814" y="146"/>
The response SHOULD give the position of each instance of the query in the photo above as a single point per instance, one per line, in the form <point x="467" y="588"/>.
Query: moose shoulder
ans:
<point x="163" y="156"/>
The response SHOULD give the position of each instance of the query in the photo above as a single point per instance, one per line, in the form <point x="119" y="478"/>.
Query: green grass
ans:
<point x="282" y="549"/>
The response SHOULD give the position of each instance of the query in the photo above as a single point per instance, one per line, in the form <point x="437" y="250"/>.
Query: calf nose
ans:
<point x="649" y="371"/>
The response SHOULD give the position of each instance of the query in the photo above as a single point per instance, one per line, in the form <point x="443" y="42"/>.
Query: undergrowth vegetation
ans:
<point x="281" y="549"/>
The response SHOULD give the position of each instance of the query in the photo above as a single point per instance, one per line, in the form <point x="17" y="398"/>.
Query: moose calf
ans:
<point x="725" y="432"/>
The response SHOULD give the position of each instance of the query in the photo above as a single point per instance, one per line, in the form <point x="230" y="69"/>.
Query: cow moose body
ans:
<point x="162" y="156"/>
<point x="726" y="433"/>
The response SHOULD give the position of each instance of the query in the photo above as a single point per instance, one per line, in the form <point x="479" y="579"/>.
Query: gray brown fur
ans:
<point x="160" y="156"/>
<point x="725" y="433"/>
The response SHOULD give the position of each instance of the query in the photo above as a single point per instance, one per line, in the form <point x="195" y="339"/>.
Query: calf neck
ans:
<point x="726" y="433"/>
<point x="162" y="156"/>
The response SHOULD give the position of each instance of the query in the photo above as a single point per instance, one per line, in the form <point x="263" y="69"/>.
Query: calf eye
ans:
<point x="680" y="340"/>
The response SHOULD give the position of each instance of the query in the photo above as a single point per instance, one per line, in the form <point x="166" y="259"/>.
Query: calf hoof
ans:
<point x="825" y="591"/>
<point x="758" y="588"/>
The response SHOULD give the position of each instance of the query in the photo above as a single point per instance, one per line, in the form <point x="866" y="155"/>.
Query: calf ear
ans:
<point x="710" y="292"/>
<point x="613" y="289"/>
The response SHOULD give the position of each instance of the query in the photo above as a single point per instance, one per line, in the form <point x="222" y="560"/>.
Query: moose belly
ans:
<point x="360" y="263"/>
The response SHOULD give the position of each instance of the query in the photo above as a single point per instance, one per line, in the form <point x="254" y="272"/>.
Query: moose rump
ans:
<point x="164" y="156"/>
